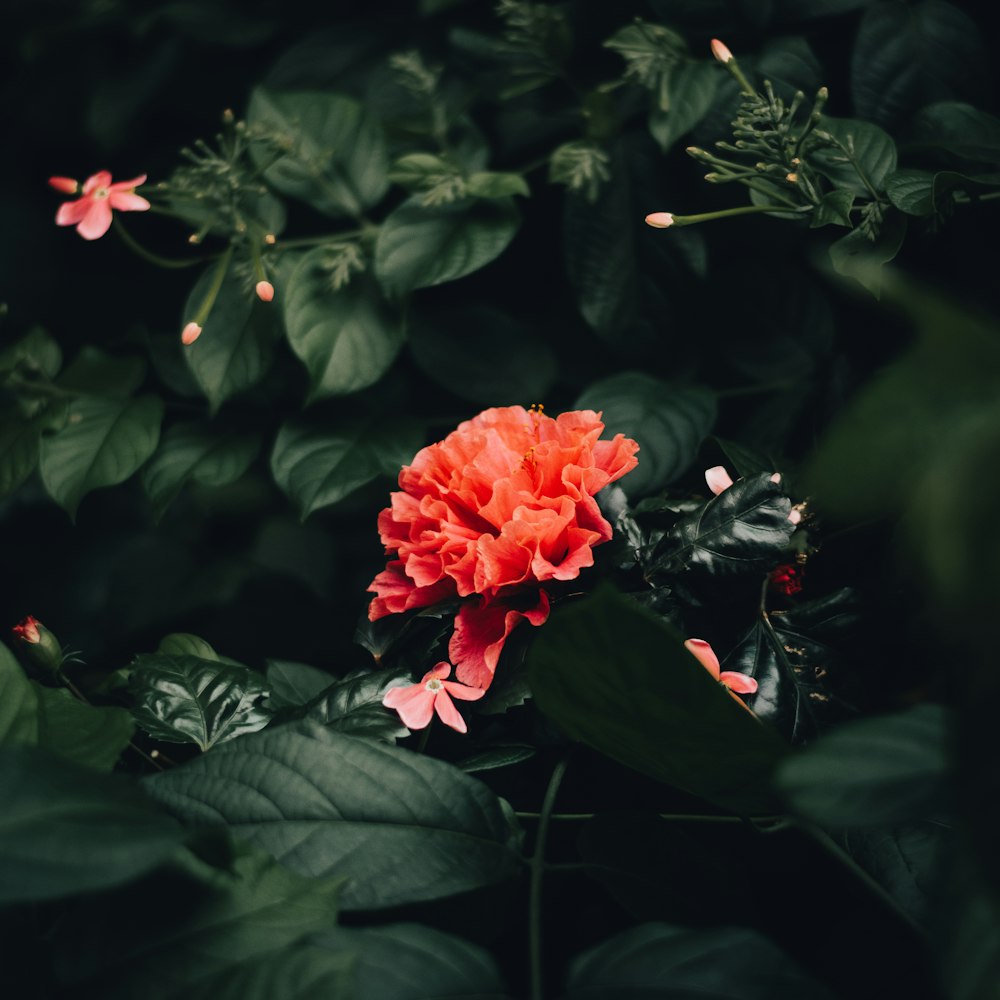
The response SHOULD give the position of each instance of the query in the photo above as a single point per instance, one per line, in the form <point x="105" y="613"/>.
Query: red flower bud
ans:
<point x="190" y="334"/>
<point x="264" y="290"/>
<point x="26" y="630"/>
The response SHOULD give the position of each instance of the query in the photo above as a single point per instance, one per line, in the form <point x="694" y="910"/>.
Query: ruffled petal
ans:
<point x="97" y="221"/>
<point x="448" y="714"/>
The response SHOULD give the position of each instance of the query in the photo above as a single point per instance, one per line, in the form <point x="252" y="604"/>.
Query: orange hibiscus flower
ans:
<point x="501" y="506"/>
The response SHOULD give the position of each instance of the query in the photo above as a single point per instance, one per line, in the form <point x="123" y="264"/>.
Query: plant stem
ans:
<point x="309" y="241"/>
<point x="173" y="263"/>
<point x="670" y="817"/>
<point x="424" y="737"/>
<point x="535" y="891"/>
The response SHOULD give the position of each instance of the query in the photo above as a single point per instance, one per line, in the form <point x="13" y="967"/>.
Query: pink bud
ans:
<point x="190" y="334"/>
<point x="660" y="220"/>
<point x="65" y="184"/>
<point x="776" y="478"/>
<point x="795" y="516"/>
<point x="27" y="630"/>
<point x="718" y="479"/>
<point x="264" y="290"/>
<point x="721" y="51"/>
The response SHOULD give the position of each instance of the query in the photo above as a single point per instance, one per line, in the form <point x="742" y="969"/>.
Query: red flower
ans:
<point x="27" y="630"/>
<point x="416" y="703"/>
<point x="786" y="579"/>
<point x="502" y="505"/>
<point x="91" y="214"/>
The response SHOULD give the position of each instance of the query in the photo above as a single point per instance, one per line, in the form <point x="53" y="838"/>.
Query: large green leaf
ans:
<point x="692" y="91"/>
<point x="236" y="344"/>
<point x="347" y="337"/>
<point x="421" y="246"/>
<point x="185" y="699"/>
<point x="617" y="677"/>
<point x="353" y="704"/>
<point x="205" y="932"/>
<point x="889" y="769"/>
<point x="103" y="442"/>
<point x="196" y="452"/>
<point x="399" y="827"/>
<point x="66" y="829"/>
<point x="667" y="419"/>
<point x="92" y="735"/>
<point x="482" y="354"/>
<point x="92" y="372"/>
<point x="36" y="353"/>
<point x="958" y="130"/>
<point x="19" y="444"/>
<point x="317" y="467"/>
<point x="18" y="703"/>
<point x="293" y="685"/>
<point x="324" y="149"/>
<point x="908" y="55"/>
<point x="660" y="962"/>
<point x="862" y="157"/>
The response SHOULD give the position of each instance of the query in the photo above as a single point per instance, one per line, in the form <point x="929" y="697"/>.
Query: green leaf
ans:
<point x="186" y="644"/>
<point x="617" y="677"/>
<point x="196" y="452"/>
<point x="659" y="962"/>
<point x="862" y="155"/>
<point x="104" y="441"/>
<point x="185" y="699"/>
<point x="19" y="445"/>
<point x="668" y="420"/>
<point x="92" y="372"/>
<point x="911" y="191"/>
<point x="908" y="55"/>
<point x="68" y="830"/>
<point x="91" y="735"/>
<point x="486" y="184"/>
<point x="968" y="931"/>
<point x="492" y="757"/>
<point x="746" y="461"/>
<point x="834" y="209"/>
<point x="330" y="152"/>
<point x="858" y="257"/>
<point x="958" y="130"/>
<point x="420" y="171"/>
<point x="421" y="246"/>
<point x="743" y="530"/>
<point x="205" y="932"/>
<point x="316" y="468"/>
<point x="36" y="354"/>
<point x="347" y="337"/>
<point x="294" y="684"/>
<point x="18" y="703"/>
<point x="236" y="344"/>
<point x="350" y="807"/>
<point x="692" y="91"/>
<point x="870" y="772"/>
<point x="353" y="705"/>
<point x="482" y="354"/>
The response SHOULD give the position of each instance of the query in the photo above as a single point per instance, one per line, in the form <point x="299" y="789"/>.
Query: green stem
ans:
<point x="690" y="220"/>
<point x="535" y="891"/>
<point x="153" y="258"/>
<point x="424" y="737"/>
<point x="310" y="241"/>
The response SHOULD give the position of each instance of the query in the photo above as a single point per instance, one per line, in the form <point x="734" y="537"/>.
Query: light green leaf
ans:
<point x="332" y="152"/>
<point x="421" y="246"/>
<point x="343" y="806"/>
<point x="668" y="420"/>
<point x="196" y="452"/>
<point x="236" y="344"/>
<point x="316" y="468"/>
<point x="186" y="644"/>
<point x="485" y="184"/>
<point x="185" y="699"/>
<point x="419" y="171"/>
<point x="348" y="337"/>
<point x="834" y="209"/>
<point x="103" y="442"/>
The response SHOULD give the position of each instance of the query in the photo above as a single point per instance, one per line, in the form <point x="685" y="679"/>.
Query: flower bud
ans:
<point x="26" y="630"/>
<point x="264" y="290"/>
<point x="660" y="220"/>
<point x="721" y="51"/>
<point x="40" y="646"/>
<point x="65" y="184"/>
<point x="190" y="334"/>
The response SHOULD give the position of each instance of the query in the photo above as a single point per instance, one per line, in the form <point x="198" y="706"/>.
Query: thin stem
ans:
<point x="424" y="737"/>
<point x="670" y="817"/>
<point x="690" y="220"/>
<point x="153" y="258"/>
<point x="535" y="891"/>
<point x="309" y="241"/>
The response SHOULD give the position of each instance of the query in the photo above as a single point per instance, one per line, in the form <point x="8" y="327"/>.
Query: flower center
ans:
<point x="101" y="193"/>
<point x="434" y="685"/>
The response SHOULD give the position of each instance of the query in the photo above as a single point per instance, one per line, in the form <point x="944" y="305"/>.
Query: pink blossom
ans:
<point x="718" y="479"/>
<point x="732" y="679"/>
<point x="721" y="51"/>
<point x="190" y="333"/>
<point x="660" y="220"/>
<point x="416" y="703"/>
<point x="91" y="214"/>
<point x="264" y="290"/>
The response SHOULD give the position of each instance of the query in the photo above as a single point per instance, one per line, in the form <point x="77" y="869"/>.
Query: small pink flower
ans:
<point x="27" y="630"/>
<point x="416" y="703"/>
<point x="718" y="479"/>
<point x="91" y="214"/>
<point x="190" y="334"/>
<point x="732" y="679"/>
<point x="660" y="220"/>
<point x="721" y="51"/>
<point x="264" y="290"/>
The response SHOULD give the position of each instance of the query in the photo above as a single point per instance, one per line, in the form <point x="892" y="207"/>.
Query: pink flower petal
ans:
<point x="740" y="683"/>
<point x="660" y="220"/>
<point x="448" y="714"/>
<point x="718" y="479"/>
<point x="704" y="654"/>
<point x="101" y="179"/>
<point x="414" y="703"/>
<point x="97" y="221"/>
<point x="123" y="201"/>
<point x="72" y="212"/>
<point x="126" y="185"/>
<point x="65" y="184"/>
<point x="462" y="692"/>
<point x="438" y="672"/>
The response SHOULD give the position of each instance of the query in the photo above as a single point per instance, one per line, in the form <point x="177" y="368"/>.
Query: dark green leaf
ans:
<point x="660" y="962"/>
<point x="459" y="348"/>
<point x="104" y="441"/>
<point x="871" y="772"/>
<point x="294" y="684"/>
<point x="617" y="677"/>
<point x="911" y="191"/>
<point x="492" y="757"/>
<point x="908" y="55"/>
<point x="746" y="461"/>
<point x="347" y="337"/>
<point x="667" y="419"/>
<point x="834" y="209"/>
<point x="353" y="705"/>
<point x="36" y="353"/>
<point x="92" y="372"/>
<point x="19" y="444"/>
<point x="186" y="644"/>
<point x="857" y="256"/>
<point x="692" y="91"/>
<point x="744" y="529"/>
<point x="195" y="452"/>
<point x="959" y="130"/>
<point x="18" y="703"/>
<point x="316" y="468"/>
<point x="185" y="699"/>
<point x="331" y="152"/>
<point x="67" y="830"/>
<point x="861" y="157"/>
<point x="398" y="826"/>
<point x="485" y="184"/>
<point x="421" y="246"/>
<point x="92" y="735"/>
<point x="204" y="932"/>
<point x="235" y="348"/>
